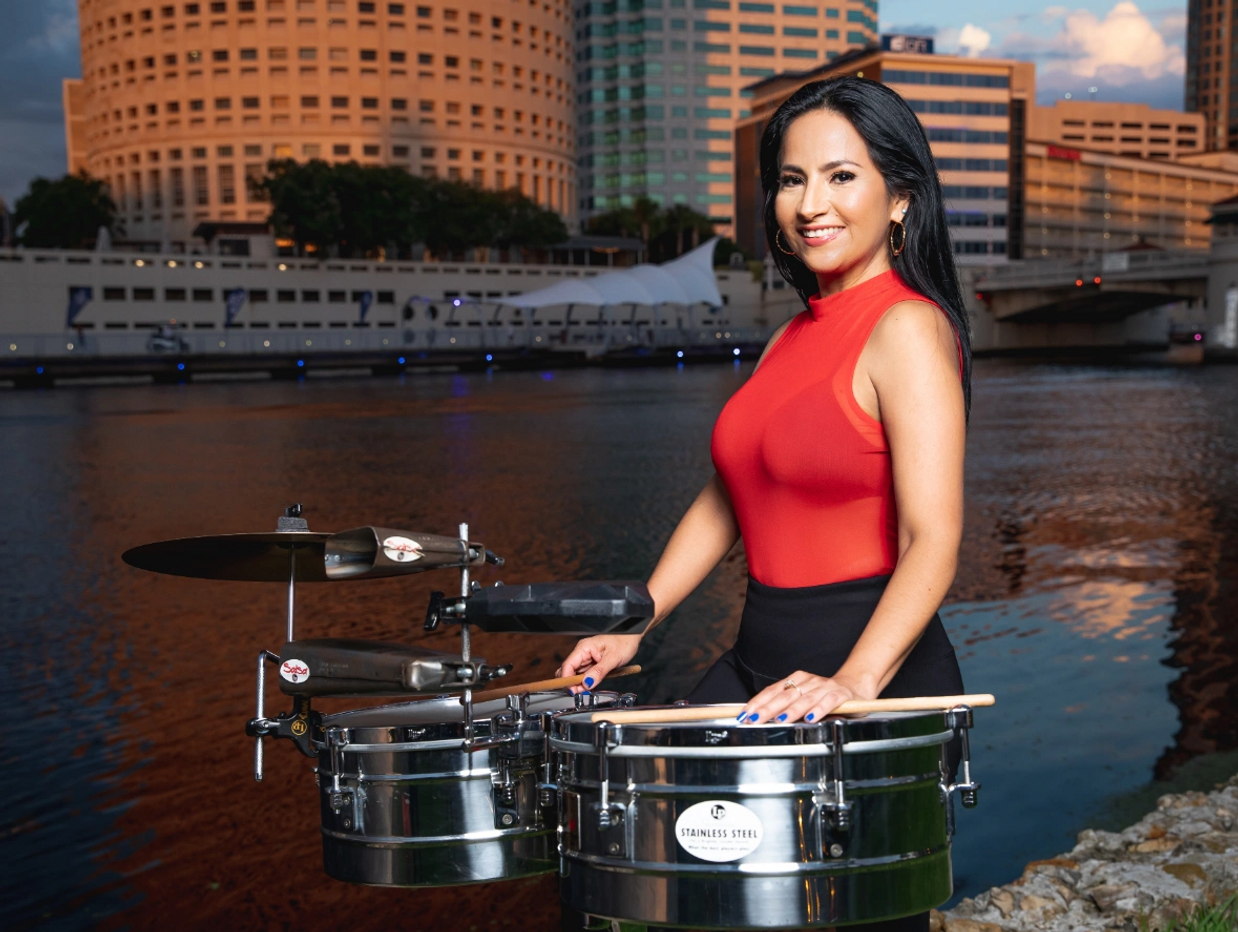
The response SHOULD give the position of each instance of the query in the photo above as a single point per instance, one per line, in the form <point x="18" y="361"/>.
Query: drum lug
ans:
<point x="608" y="814"/>
<point x="613" y="826"/>
<point x="627" y="700"/>
<point x="835" y="802"/>
<point x="959" y="720"/>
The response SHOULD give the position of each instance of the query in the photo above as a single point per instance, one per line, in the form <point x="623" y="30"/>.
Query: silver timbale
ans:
<point x="714" y="825"/>
<point x="411" y="797"/>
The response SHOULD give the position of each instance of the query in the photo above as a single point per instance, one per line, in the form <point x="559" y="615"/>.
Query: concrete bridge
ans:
<point x="1102" y="289"/>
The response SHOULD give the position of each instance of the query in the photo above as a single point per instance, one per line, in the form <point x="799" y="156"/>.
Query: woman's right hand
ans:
<point x="597" y="656"/>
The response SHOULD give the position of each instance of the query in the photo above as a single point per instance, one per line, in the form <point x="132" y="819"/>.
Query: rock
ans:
<point x="1156" y="845"/>
<point x="1107" y="895"/>
<point x="971" y="925"/>
<point x="1069" y="863"/>
<point x="1032" y="903"/>
<point x="1003" y="901"/>
<point x="1189" y="873"/>
<point x="1146" y="878"/>
<point x="937" y="922"/>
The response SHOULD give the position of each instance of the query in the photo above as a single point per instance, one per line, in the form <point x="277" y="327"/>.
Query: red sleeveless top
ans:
<point x="807" y="469"/>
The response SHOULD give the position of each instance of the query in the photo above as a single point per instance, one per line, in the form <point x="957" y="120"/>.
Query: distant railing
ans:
<point x="1124" y="266"/>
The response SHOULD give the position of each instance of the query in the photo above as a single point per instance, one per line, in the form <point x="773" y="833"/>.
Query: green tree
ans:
<point x="64" y="214"/>
<point x="667" y="234"/>
<point x="521" y="222"/>
<point x="304" y="203"/>
<point x="356" y="210"/>
<point x="378" y="207"/>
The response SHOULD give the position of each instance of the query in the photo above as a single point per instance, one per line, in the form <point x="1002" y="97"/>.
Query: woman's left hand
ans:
<point x="811" y="699"/>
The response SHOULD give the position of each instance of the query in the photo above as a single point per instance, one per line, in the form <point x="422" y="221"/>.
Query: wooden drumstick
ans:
<point x="702" y="713"/>
<point x="561" y="682"/>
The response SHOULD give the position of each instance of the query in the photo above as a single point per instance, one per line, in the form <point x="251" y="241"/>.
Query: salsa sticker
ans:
<point x="294" y="671"/>
<point x="718" y="830"/>
<point x="401" y="549"/>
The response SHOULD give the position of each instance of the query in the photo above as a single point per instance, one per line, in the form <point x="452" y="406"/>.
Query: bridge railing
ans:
<point x="1124" y="266"/>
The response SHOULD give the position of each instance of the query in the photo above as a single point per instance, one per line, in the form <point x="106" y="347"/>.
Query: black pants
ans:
<point x="814" y="629"/>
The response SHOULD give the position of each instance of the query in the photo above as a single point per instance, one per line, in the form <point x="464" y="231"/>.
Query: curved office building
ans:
<point x="181" y="104"/>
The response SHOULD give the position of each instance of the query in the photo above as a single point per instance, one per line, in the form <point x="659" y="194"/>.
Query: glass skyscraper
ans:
<point x="660" y="86"/>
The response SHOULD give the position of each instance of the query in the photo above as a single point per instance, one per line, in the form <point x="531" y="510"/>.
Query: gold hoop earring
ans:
<point x="778" y="243"/>
<point x="902" y="242"/>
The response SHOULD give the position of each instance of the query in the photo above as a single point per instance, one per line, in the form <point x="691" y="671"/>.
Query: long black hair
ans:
<point x="900" y="150"/>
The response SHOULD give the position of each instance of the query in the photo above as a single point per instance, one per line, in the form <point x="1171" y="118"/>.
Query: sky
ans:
<point x="1127" y="51"/>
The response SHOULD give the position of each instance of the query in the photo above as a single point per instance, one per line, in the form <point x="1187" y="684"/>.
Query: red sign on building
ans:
<point x="1061" y="152"/>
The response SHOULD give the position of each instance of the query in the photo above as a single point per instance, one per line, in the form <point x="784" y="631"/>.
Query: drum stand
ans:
<point x="303" y="726"/>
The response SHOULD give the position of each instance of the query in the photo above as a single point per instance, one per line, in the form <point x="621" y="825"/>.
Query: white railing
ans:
<point x="92" y="344"/>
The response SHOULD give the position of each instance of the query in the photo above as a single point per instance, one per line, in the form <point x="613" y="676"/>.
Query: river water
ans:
<point x="1096" y="598"/>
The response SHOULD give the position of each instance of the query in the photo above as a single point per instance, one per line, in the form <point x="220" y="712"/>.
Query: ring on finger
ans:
<point x="791" y="684"/>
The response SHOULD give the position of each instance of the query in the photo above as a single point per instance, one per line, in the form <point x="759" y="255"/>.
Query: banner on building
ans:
<point x="366" y="299"/>
<point x="79" y="297"/>
<point x="236" y="298"/>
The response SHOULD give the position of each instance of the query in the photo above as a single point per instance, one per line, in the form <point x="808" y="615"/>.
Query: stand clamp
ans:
<point x="298" y="726"/>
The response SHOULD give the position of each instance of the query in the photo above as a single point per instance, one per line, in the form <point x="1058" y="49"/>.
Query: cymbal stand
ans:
<point x="466" y="647"/>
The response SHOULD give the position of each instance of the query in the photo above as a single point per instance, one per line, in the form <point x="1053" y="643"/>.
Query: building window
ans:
<point x="341" y="148"/>
<point x="340" y="103"/>
<point x="398" y="57"/>
<point x="309" y="102"/>
<point x="227" y="184"/>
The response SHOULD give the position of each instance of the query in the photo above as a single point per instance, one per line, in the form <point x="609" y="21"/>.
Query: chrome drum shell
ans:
<point x="892" y="860"/>
<point x="411" y="807"/>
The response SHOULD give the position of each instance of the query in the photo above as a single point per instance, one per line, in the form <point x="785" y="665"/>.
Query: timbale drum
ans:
<point x="412" y="796"/>
<point x="721" y="826"/>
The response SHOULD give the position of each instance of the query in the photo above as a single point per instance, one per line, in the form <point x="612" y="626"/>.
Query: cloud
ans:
<point x="970" y="41"/>
<point x="1124" y="42"/>
<point x="1126" y="53"/>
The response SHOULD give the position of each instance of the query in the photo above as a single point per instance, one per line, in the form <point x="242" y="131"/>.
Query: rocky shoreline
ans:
<point x="1183" y="854"/>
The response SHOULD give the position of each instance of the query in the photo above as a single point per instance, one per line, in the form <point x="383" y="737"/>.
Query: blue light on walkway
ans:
<point x="735" y="351"/>
<point x="180" y="366"/>
<point x="39" y="370"/>
<point x="300" y="363"/>
<point x="489" y="358"/>
<point x="679" y="354"/>
<point x="401" y="360"/>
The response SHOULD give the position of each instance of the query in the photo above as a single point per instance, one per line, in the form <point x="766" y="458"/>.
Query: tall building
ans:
<point x="975" y="113"/>
<point x="661" y="84"/>
<point x="180" y="105"/>
<point x="1210" y="61"/>
<point x="1123" y="129"/>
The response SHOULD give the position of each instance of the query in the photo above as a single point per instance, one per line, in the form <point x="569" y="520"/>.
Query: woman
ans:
<point x="840" y="461"/>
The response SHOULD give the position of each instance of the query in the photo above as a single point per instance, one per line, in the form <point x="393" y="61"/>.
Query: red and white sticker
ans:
<point x="401" y="549"/>
<point x="718" y="830"/>
<point x="294" y="671"/>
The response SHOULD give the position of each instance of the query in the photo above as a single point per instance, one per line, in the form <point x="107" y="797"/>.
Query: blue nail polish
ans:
<point x="753" y="717"/>
<point x="741" y="715"/>
<point x="588" y="681"/>
<point x="809" y="717"/>
<point x="782" y="717"/>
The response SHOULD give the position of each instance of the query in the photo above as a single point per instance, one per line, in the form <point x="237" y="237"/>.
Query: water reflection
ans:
<point x="1097" y="582"/>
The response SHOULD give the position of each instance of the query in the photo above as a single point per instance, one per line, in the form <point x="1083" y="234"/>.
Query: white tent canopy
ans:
<point x="686" y="280"/>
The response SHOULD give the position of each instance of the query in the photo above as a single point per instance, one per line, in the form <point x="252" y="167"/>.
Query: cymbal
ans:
<point x="262" y="557"/>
